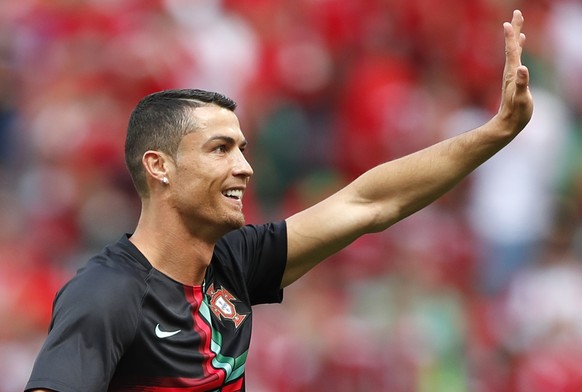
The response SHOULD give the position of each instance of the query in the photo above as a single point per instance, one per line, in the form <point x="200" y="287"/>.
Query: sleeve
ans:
<point x="93" y="320"/>
<point x="262" y="253"/>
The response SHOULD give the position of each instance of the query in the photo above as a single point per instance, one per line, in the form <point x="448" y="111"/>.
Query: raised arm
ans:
<point x="394" y="190"/>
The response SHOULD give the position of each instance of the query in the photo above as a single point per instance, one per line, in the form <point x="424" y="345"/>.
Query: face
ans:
<point x="210" y="173"/>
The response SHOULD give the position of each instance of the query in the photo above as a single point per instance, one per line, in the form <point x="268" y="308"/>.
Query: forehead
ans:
<point x="212" y="120"/>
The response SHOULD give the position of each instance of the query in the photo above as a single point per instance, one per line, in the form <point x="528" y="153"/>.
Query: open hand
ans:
<point x="516" y="101"/>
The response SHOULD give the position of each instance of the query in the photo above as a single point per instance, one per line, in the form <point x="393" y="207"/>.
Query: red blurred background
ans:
<point x="482" y="291"/>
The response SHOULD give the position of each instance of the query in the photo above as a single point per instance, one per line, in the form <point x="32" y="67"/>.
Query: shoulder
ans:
<point x="257" y="253"/>
<point x="110" y="282"/>
<point x="251" y="243"/>
<point x="250" y="235"/>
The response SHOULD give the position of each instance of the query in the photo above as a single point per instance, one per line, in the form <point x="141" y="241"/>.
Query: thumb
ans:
<point x="522" y="78"/>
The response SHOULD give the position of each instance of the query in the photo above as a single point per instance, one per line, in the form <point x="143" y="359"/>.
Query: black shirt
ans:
<point x="121" y="325"/>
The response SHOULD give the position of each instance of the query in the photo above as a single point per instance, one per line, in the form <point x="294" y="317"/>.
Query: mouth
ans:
<point x="234" y="194"/>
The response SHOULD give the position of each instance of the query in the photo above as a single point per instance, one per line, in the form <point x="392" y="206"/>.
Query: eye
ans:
<point x="221" y="148"/>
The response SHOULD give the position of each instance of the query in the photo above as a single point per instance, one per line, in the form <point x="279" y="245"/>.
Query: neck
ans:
<point x="172" y="249"/>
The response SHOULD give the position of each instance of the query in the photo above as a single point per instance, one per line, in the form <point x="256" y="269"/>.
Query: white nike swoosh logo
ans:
<point x="165" y="334"/>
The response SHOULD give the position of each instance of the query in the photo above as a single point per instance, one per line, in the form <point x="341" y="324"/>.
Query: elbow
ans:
<point x="383" y="217"/>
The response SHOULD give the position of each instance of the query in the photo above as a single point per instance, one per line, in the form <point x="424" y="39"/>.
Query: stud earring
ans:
<point x="165" y="181"/>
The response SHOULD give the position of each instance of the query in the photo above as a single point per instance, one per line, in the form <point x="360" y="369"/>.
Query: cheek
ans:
<point x="200" y="176"/>
<point x="198" y="184"/>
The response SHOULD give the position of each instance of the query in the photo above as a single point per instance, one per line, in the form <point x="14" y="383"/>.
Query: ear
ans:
<point x="156" y="164"/>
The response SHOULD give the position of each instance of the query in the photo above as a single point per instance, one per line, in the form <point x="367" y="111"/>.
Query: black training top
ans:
<point x="121" y="325"/>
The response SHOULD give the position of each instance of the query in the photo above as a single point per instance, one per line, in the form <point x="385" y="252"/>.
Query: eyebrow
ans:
<point x="227" y="139"/>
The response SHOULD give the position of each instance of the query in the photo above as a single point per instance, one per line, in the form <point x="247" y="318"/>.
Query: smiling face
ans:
<point x="210" y="173"/>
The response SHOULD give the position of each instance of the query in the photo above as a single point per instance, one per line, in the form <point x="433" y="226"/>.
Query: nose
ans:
<point x="242" y="167"/>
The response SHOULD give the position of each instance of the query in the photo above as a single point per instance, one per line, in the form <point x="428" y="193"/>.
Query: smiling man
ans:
<point x="168" y="308"/>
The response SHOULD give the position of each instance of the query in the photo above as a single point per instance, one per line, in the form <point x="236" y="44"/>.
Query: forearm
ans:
<point x="397" y="189"/>
<point x="401" y="187"/>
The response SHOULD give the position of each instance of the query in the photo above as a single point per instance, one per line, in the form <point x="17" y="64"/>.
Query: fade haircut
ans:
<point x="159" y="122"/>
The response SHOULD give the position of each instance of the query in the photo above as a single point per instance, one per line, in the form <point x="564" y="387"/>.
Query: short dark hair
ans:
<point x="159" y="122"/>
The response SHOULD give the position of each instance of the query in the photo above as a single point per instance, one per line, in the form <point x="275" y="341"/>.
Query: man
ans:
<point x="168" y="308"/>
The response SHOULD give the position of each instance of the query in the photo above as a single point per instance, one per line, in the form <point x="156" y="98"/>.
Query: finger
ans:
<point x="521" y="40"/>
<point x="511" y="56"/>
<point x="513" y="41"/>
<point x="517" y="22"/>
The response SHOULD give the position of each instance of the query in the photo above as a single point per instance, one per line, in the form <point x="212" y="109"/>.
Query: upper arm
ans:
<point x="325" y="228"/>
<point x="90" y="328"/>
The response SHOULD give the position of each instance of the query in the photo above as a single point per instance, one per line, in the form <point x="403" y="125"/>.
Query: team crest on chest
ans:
<point x="222" y="306"/>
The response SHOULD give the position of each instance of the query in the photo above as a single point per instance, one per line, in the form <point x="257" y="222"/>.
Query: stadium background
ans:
<point x="480" y="292"/>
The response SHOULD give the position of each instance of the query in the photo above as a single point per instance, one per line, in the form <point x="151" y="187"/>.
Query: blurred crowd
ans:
<point x="481" y="291"/>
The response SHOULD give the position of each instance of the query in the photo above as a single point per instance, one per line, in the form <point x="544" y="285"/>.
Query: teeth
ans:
<point x="235" y="193"/>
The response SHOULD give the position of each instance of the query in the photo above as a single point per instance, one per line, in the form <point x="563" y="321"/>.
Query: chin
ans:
<point x="236" y="222"/>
